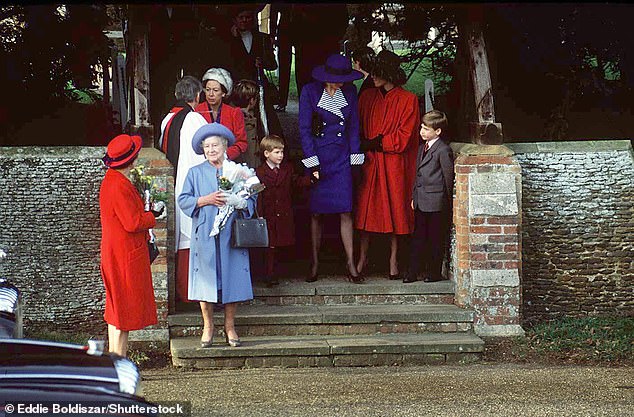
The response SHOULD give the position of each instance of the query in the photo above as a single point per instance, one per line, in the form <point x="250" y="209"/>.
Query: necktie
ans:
<point x="276" y="170"/>
<point x="426" y="148"/>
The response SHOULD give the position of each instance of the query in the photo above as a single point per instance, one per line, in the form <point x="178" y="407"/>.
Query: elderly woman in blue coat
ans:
<point x="329" y="132"/>
<point x="218" y="273"/>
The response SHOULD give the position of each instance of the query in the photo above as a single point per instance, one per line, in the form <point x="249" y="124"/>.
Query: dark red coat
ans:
<point x="125" y="261"/>
<point x="275" y="202"/>
<point x="233" y="119"/>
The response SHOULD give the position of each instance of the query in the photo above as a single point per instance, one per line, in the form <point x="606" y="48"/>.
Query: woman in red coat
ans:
<point x="217" y="84"/>
<point x="389" y="118"/>
<point x="125" y="261"/>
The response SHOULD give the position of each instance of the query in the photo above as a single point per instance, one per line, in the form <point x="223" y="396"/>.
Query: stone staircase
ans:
<point x="335" y="323"/>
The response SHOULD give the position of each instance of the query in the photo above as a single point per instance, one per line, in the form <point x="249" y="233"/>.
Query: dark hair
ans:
<point x="243" y="92"/>
<point x="188" y="88"/>
<point x="365" y="56"/>
<point x="435" y="119"/>
<point x="387" y="65"/>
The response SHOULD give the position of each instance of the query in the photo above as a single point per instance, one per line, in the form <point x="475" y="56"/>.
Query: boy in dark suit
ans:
<point x="431" y="200"/>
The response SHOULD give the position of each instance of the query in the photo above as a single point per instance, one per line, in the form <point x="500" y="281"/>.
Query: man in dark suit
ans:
<point x="251" y="53"/>
<point x="431" y="200"/>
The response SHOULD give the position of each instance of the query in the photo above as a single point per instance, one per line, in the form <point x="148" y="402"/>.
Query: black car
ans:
<point x="48" y="376"/>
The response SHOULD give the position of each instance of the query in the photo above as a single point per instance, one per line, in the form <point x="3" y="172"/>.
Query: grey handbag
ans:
<point x="250" y="233"/>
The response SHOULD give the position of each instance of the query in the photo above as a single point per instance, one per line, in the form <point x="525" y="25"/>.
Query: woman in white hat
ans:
<point x="217" y="84"/>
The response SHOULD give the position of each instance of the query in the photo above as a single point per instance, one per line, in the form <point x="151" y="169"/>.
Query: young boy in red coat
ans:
<point x="275" y="202"/>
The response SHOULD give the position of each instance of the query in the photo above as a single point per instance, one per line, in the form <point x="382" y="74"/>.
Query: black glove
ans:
<point x="375" y="144"/>
<point x="159" y="212"/>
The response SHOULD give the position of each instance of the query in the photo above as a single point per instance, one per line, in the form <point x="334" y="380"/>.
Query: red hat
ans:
<point x="121" y="150"/>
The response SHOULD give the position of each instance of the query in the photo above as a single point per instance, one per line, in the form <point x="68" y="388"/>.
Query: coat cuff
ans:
<point x="311" y="162"/>
<point x="357" y="159"/>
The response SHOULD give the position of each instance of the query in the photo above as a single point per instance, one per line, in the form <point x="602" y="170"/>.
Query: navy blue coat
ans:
<point x="333" y="151"/>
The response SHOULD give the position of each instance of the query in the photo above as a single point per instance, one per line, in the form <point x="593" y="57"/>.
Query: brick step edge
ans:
<point x="249" y="315"/>
<point x="357" y="299"/>
<point x="330" y="329"/>
<point x="328" y="351"/>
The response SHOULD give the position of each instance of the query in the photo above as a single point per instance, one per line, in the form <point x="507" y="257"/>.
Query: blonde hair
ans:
<point x="270" y="142"/>
<point x="435" y="119"/>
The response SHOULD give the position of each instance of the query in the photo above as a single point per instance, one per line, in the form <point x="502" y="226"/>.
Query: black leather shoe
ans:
<point x="394" y="277"/>
<point x="409" y="279"/>
<point x="433" y="279"/>
<point x="311" y="278"/>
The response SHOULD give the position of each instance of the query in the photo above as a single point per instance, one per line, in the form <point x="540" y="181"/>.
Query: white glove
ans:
<point x="235" y="201"/>
<point x="160" y="206"/>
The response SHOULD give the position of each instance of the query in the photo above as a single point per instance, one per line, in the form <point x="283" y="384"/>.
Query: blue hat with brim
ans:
<point x="209" y="130"/>
<point x="338" y="69"/>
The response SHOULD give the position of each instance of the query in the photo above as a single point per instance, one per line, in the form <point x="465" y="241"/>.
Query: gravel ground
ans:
<point x="473" y="390"/>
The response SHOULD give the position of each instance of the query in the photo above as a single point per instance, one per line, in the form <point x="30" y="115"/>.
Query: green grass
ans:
<point x="586" y="340"/>
<point x="62" y="337"/>
<point x="415" y="84"/>
<point x="594" y="338"/>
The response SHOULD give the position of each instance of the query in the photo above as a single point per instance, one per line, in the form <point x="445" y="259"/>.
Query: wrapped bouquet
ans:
<point x="238" y="182"/>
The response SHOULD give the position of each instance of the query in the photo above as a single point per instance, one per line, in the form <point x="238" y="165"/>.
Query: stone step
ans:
<point x="334" y="289"/>
<point x="328" y="351"/>
<point x="267" y="320"/>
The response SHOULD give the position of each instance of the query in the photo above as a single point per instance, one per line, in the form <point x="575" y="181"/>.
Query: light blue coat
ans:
<point x="204" y="266"/>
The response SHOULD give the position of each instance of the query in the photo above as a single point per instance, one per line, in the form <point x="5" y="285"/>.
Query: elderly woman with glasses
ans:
<point x="218" y="272"/>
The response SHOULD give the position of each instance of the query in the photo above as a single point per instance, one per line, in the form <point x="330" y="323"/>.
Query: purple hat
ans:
<point x="209" y="130"/>
<point x="338" y="69"/>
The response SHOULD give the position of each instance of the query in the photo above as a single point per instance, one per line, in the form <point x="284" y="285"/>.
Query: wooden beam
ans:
<point x="140" y="121"/>
<point x="484" y="130"/>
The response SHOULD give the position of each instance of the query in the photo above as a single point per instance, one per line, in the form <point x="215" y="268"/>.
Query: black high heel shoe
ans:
<point x="312" y="278"/>
<point x="356" y="280"/>
<point x="233" y="342"/>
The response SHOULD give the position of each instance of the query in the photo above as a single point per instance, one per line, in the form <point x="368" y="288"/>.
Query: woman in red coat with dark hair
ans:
<point x="217" y="84"/>
<point x="125" y="260"/>
<point x="390" y="120"/>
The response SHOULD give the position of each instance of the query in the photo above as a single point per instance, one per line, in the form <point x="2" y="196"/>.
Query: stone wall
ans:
<point x="577" y="228"/>
<point x="49" y="224"/>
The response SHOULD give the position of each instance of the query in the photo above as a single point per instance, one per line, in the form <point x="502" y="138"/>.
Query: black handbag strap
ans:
<point x="257" y="216"/>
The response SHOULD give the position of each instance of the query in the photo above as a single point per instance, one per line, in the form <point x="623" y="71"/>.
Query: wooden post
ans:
<point x="484" y="130"/>
<point x="139" y="97"/>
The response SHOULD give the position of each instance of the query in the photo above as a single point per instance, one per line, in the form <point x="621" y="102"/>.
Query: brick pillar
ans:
<point x="487" y="252"/>
<point x="157" y="165"/>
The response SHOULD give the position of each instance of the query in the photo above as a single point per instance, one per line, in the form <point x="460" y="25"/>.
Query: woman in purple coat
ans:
<point x="329" y="132"/>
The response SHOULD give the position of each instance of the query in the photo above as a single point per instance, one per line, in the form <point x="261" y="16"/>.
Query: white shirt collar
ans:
<point x="333" y="104"/>
<point x="431" y="142"/>
<point x="247" y="40"/>
<point x="271" y="165"/>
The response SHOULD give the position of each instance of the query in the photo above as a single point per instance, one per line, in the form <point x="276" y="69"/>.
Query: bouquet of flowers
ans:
<point x="154" y="198"/>
<point x="147" y="183"/>
<point x="238" y="182"/>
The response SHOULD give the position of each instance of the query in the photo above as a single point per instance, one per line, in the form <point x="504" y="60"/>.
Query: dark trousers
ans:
<point x="428" y="244"/>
